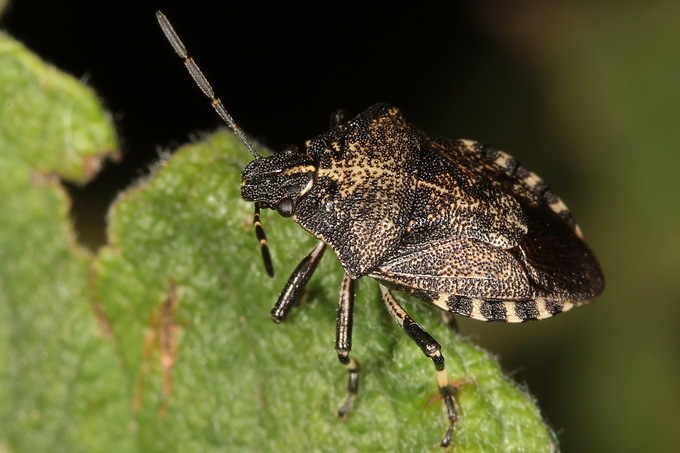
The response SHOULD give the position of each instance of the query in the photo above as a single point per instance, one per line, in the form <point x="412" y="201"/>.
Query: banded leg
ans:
<point x="297" y="282"/>
<point x="262" y="239"/>
<point x="343" y="341"/>
<point x="430" y="348"/>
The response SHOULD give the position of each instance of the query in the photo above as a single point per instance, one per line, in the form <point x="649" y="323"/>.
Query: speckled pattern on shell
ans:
<point x="453" y="222"/>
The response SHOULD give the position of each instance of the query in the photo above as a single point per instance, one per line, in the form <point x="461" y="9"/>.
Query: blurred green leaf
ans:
<point x="163" y="341"/>
<point x="60" y="383"/>
<point x="51" y="123"/>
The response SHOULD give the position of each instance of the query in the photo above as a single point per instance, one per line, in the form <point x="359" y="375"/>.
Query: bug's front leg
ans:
<point x="262" y="239"/>
<point x="343" y="341"/>
<point x="430" y="348"/>
<point x="297" y="282"/>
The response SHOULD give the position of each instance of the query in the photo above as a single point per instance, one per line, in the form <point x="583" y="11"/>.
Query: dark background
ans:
<point x="585" y="95"/>
<point x="279" y="73"/>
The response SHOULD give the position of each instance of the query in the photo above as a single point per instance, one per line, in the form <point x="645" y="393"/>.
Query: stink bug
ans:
<point x="456" y="223"/>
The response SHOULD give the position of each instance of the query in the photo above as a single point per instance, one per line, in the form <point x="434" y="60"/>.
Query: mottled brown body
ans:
<point x="454" y="222"/>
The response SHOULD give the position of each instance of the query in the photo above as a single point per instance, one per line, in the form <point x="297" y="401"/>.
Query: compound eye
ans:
<point x="285" y="207"/>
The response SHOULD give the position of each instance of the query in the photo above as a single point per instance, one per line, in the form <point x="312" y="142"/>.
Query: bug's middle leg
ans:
<point x="431" y="349"/>
<point x="343" y="341"/>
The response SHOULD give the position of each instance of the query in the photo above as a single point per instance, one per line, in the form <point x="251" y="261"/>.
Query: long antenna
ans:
<point x="204" y="85"/>
<point x="201" y="81"/>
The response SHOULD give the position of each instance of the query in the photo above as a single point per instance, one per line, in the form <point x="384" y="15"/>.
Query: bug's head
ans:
<point x="278" y="181"/>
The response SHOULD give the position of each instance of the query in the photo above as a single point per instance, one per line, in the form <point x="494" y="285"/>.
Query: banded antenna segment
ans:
<point x="202" y="81"/>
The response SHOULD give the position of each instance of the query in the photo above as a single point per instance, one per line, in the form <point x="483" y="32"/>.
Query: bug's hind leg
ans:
<point x="430" y="348"/>
<point x="343" y="341"/>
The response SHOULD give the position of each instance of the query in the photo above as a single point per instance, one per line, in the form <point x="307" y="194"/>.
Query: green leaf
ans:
<point x="164" y="340"/>
<point x="60" y="383"/>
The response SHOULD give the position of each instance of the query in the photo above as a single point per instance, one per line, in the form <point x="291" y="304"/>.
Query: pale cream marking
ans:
<point x="298" y="169"/>
<point x="503" y="159"/>
<point x="308" y="187"/>
<point x="360" y="174"/>
<point x="532" y="180"/>
<point x="543" y="312"/>
<point x="442" y="378"/>
<point x="559" y="206"/>
<point x="469" y="144"/>
<point x="511" y="313"/>
<point x="577" y="231"/>
<point x="441" y="301"/>
<point x="476" y="310"/>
